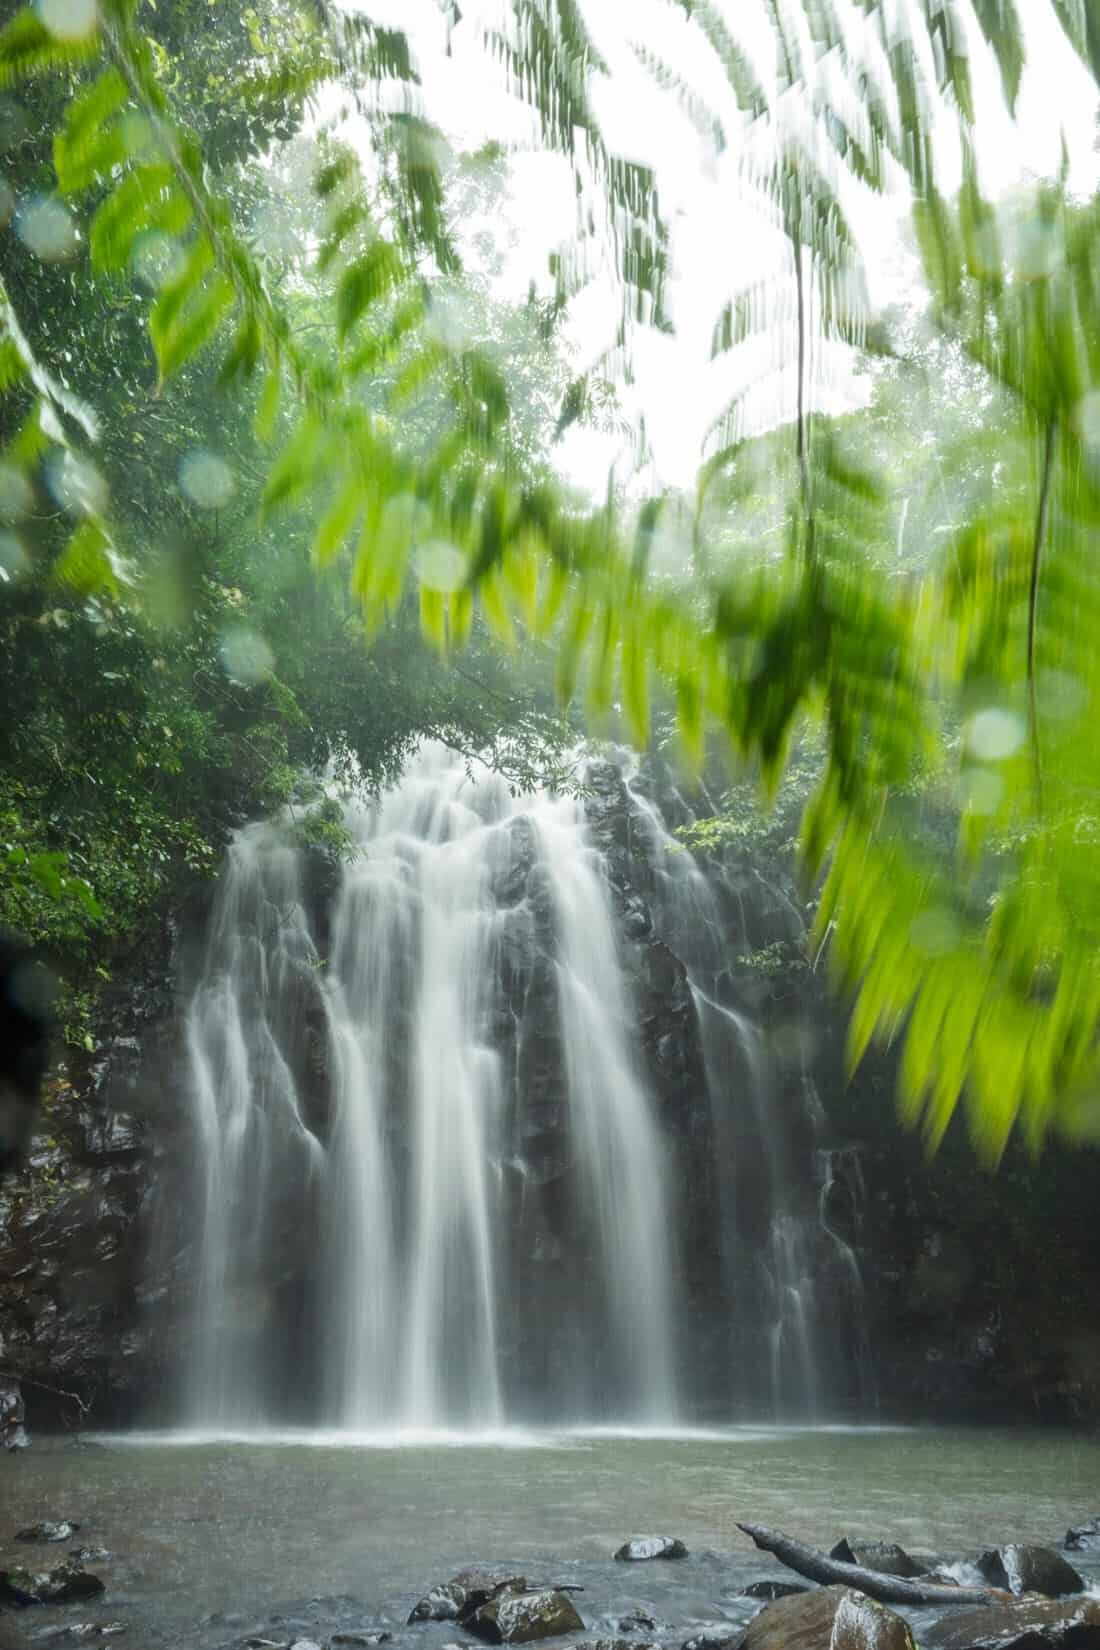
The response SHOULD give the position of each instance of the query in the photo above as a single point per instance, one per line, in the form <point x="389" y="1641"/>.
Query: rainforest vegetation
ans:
<point x="280" y="490"/>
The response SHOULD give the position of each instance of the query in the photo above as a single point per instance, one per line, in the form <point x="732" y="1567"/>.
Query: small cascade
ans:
<point x="783" y="1265"/>
<point x="247" y="1060"/>
<point x="443" y="1181"/>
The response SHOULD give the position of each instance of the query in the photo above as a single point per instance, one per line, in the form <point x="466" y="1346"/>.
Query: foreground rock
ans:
<point x="1020" y="1569"/>
<point x="68" y="1581"/>
<point x="830" y="1618"/>
<point x="884" y="1556"/>
<point x="818" y="1566"/>
<point x="520" y="1618"/>
<point x="1029" y="1624"/>
<point x="49" y="1530"/>
<point x="1084" y="1538"/>
<point x="642" y="1547"/>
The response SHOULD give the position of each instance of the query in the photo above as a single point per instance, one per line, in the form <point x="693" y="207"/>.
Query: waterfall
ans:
<point x="453" y="885"/>
<point x="441" y="1175"/>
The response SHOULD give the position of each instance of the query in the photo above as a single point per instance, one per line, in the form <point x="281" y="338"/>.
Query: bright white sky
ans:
<point x="720" y="244"/>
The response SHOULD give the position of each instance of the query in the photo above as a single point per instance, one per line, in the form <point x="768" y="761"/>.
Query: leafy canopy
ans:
<point x="974" y="672"/>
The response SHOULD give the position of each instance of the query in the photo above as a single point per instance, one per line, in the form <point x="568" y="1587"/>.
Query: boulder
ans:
<point x="726" y="1638"/>
<point x="884" y="1556"/>
<point x="49" y="1530"/>
<point x="829" y="1618"/>
<point x="68" y="1581"/>
<point x="642" y="1547"/>
<point x="519" y="1618"/>
<point x="1026" y="1624"/>
<point x="1084" y="1538"/>
<point x="771" y="1590"/>
<point x="360" y="1639"/>
<point x="1019" y="1569"/>
<point x="638" y="1621"/>
<point x="89" y="1555"/>
<point x="458" y="1598"/>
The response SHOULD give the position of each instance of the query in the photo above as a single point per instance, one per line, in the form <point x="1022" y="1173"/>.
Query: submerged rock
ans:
<point x="772" y="1589"/>
<point x="93" y="1630"/>
<point x="360" y="1638"/>
<point x="441" y="1603"/>
<point x="519" y="1618"/>
<point x="68" y="1581"/>
<point x="1029" y="1624"/>
<point x="638" y="1621"/>
<point x="641" y="1547"/>
<point x="89" y="1555"/>
<point x="723" y="1639"/>
<point x="884" y="1556"/>
<point x="49" y="1530"/>
<point x="1018" y="1569"/>
<point x="829" y="1618"/>
<point x="613" y="1644"/>
<point x="1084" y="1538"/>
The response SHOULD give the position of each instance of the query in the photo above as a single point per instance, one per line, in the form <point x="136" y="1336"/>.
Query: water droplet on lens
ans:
<point x="440" y="566"/>
<point x="994" y="735"/>
<point x="68" y="19"/>
<point x="207" y="480"/>
<point x="77" y="485"/>
<point x="47" y="228"/>
<point x="245" y="656"/>
<point x="13" y="558"/>
<point x="982" y="790"/>
<point x="935" y="932"/>
<point x="16" y="495"/>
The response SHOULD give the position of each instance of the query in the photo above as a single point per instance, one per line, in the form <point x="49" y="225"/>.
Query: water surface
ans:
<point x="212" y="1540"/>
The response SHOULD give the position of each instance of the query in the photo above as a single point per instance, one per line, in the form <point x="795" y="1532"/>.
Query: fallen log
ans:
<point x="816" y="1566"/>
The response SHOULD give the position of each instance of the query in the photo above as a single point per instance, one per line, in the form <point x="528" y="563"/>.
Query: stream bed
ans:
<point x="213" y="1541"/>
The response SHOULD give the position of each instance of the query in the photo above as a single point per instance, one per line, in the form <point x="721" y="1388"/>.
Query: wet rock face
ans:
<point x="12" y="1414"/>
<point x="1032" y="1624"/>
<point x="457" y="1599"/>
<point x="520" y="1618"/>
<point x="1020" y="1569"/>
<point x="1084" y="1538"/>
<point x="830" y="1618"/>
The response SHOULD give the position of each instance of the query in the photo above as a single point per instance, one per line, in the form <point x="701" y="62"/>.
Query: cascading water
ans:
<point x="443" y="1183"/>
